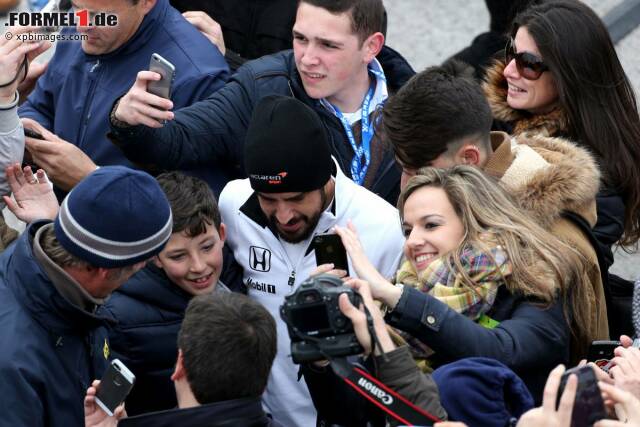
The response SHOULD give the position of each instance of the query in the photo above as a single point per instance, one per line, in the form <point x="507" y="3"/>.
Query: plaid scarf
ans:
<point x="488" y="272"/>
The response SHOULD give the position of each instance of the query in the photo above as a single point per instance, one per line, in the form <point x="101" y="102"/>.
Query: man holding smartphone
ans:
<point x="73" y="98"/>
<point x="338" y="67"/>
<point x="295" y="191"/>
<point x="56" y="276"/>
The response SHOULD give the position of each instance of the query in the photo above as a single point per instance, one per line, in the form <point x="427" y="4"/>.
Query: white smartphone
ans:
<point x="167" y="70"/>
<point x="114" y="387"/>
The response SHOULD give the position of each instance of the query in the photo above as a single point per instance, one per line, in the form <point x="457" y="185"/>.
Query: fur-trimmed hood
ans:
<point x="568" y="181"/>
<point x="495" y="88"/>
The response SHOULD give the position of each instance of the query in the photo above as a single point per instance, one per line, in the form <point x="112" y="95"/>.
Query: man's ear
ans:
<point x="468" y="154"/>
<point x="222" y="232"/>
<point x="179" y="372"/>
<point x="156" y="261"/>
<point x="372" y="46"/>
<point x="102" y="273"/>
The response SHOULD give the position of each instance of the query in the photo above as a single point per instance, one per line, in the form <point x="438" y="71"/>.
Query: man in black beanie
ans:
<point x="294" y="191"/>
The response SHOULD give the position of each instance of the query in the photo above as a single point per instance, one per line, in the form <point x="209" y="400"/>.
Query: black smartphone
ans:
<point x="167" y="70"/>
<point x="329" y="249"/>
<point x="588" y="406"/>
<point x="114" y="387"/>
<point x="601" y="353"/>
<point x="30" y="133"/>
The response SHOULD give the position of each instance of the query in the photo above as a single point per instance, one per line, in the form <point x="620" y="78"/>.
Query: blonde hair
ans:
<point x="543" y="266"/>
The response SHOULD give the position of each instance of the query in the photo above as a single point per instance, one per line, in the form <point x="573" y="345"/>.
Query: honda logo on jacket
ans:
<point x="259" y="258"/>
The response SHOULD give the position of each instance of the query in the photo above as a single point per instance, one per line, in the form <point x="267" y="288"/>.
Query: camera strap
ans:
<point x="392" y="403"/>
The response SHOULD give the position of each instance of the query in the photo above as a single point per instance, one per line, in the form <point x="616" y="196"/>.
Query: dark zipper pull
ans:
<point x="292" y="278"/>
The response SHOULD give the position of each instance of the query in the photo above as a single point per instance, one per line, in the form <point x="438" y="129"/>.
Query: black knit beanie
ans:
<point x="286" y="148"/>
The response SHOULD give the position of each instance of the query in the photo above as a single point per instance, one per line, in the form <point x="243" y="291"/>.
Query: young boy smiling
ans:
<point x="150" y="307"/>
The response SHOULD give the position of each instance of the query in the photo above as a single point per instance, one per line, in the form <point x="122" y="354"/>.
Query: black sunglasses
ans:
<point x="529" y="65"/>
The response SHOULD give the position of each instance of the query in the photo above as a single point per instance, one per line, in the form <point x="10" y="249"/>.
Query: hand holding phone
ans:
<point x="588" y="406"/>
<point x="167" y="70"/>
<point x="330" y="250"/>
<point x="114" y="387"/>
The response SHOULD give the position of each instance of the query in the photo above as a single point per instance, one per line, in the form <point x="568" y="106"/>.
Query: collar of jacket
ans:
<point x="569" y="183"/>
<point x="66" y="285"/>
<point x="152" y="286"/>
<point x="246" y="412"/>
<point x="553" y="123"/>
<point x="151" y="23"/>
<point x="39" y="296"/>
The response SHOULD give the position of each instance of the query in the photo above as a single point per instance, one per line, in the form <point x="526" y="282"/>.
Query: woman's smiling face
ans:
<point x="534" y="96"/>
<point x="430" y="225"/>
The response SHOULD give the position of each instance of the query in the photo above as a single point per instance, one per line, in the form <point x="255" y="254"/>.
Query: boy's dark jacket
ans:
<point x="149" y="310"/>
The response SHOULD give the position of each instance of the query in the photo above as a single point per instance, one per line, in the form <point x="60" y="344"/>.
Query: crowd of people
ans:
<point x="479" y="202"/>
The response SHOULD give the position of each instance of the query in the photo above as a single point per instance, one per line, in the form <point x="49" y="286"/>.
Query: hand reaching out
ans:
<point x="34" y="197"/>
<point x="627" y="406"/>
<point x="208" y="27"/>
<point x="626" y="370"/>
<point x="381" y="288"/>
<point x="65" y="163"/>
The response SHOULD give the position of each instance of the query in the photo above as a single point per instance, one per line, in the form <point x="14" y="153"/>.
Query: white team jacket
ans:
<point x="267" y="270"/>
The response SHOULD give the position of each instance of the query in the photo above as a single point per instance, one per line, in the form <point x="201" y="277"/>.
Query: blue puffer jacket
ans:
<point x="74" y="97"/>
<point x="51" y="349"/>
<point x="212" y="132"/>
<point x="149" y="310"/>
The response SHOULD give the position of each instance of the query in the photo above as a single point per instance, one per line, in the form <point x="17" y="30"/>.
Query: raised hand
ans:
<point x="34" y="197"/>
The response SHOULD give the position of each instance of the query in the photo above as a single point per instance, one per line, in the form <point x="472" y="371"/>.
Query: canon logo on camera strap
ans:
<point x="375" y="391"/>
<point x="393" y="404"/>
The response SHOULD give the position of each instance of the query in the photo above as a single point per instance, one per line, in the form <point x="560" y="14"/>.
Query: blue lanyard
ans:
<point x="358" y="169"/>
<point x="362" y="151"/>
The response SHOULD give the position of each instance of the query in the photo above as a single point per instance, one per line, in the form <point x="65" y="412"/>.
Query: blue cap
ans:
<point x="115" y="217"/>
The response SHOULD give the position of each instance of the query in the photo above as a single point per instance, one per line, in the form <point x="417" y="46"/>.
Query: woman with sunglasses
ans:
<point x="561" y="77"/>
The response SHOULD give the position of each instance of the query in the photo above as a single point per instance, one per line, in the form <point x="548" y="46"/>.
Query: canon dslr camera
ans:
<point x="317" y="327"/>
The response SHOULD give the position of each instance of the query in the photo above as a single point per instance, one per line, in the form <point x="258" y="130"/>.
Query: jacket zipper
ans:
<point x="84" y="119"/>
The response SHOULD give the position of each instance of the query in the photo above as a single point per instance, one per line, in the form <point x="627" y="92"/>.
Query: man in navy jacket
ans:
<point x="73" y="98"/>
<point x="338" y="67"/>
<point x="52" y="281"/>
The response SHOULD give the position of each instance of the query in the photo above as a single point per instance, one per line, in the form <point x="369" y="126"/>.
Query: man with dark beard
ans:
<point x="295" y="191"/>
